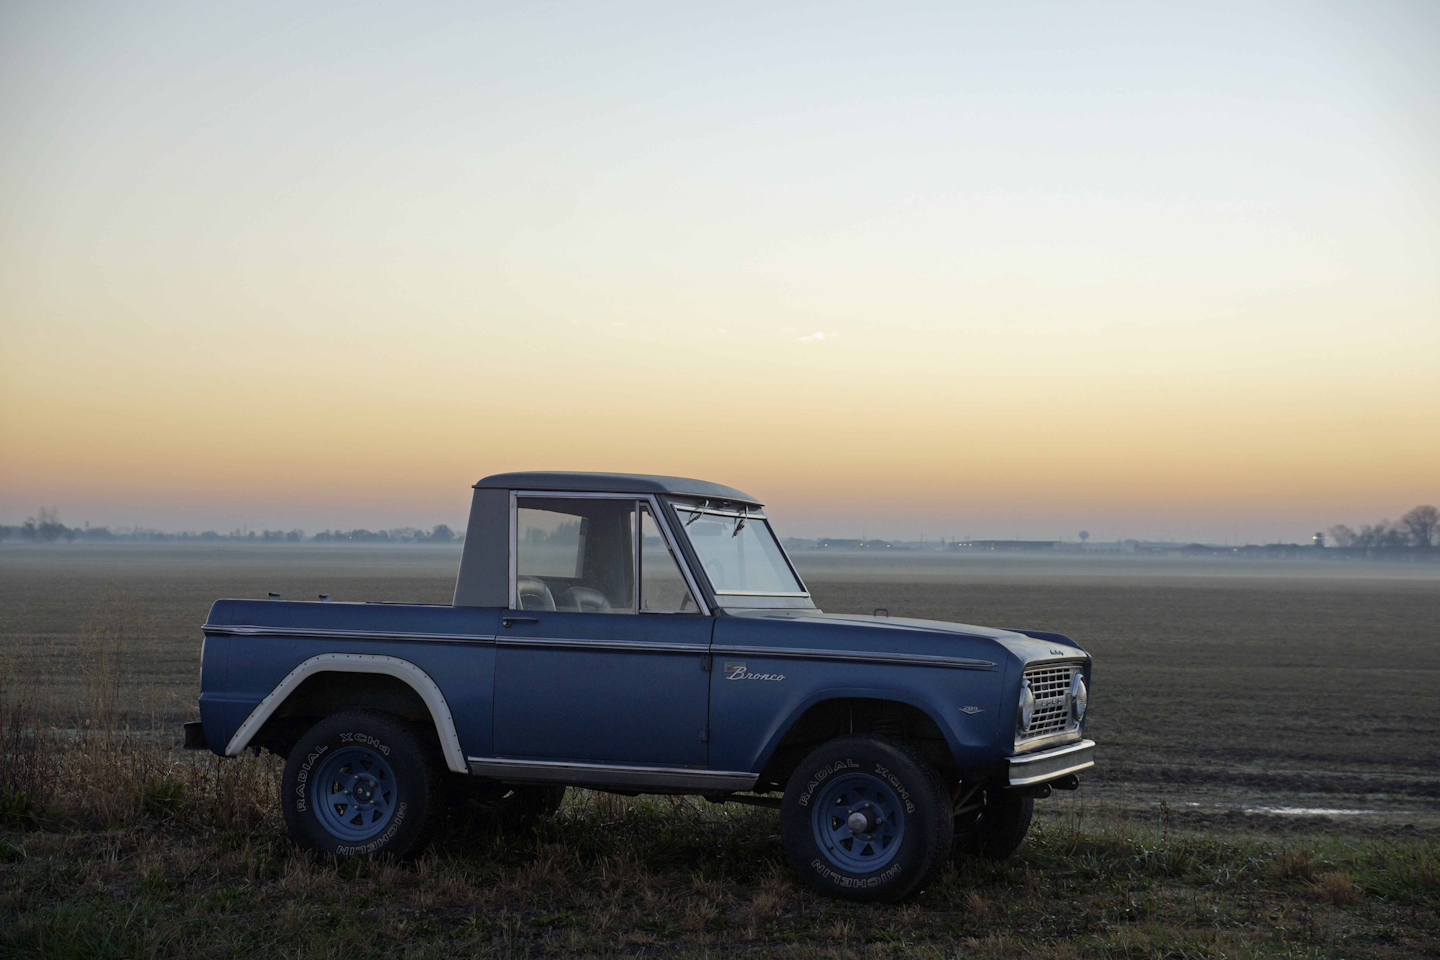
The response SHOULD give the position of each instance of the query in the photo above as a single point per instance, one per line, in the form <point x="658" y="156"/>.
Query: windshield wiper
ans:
<point x="740" y="523"/>
<point x="699" y="511"/>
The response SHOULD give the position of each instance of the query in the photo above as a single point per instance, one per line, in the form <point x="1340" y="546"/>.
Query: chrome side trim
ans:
<point x="1051" y="764"/>
<point x="418" y="680"/>
<point x="618" y="646"/>
<point x="855" y="656"/>
<point x="248" y="630"/>
<point x="610" y="775"/>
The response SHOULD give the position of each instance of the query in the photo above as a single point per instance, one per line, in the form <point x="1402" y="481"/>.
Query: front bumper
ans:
<point x="1047" y="765"/>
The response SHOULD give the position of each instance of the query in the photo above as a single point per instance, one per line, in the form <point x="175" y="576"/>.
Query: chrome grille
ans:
<point x="1051" y="685"/>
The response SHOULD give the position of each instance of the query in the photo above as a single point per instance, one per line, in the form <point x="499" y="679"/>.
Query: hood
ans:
<point x="1026" y="645"/>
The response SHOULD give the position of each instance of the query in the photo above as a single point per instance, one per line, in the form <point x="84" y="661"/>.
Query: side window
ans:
<point x="662" y="586"/>
<point x="575" y="554"/>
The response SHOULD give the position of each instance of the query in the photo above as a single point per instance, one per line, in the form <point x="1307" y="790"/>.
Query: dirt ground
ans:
<point x="1231" y="692"/>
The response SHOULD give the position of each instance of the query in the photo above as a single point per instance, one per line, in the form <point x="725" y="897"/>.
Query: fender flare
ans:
<point x="778" y="732"/>
<point x="403" y="670"/>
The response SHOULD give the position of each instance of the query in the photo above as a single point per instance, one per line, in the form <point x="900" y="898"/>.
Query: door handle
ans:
<point x="511" y="621"/>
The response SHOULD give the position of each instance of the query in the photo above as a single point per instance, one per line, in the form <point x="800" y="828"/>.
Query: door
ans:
<point x="604" y="655"/>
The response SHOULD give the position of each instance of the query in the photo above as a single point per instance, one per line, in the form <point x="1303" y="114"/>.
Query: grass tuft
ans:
<point x="1337" y="887"/>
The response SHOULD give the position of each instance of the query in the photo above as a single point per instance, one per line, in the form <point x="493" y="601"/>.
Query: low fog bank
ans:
<point x="999" y="566"/>
<point x="441" y="561"/>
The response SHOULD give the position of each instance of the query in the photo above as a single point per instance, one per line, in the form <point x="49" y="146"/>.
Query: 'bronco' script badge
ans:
<point x="737" y="671"/>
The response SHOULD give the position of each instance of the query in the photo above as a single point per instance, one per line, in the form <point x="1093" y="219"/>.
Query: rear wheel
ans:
<point x="362" y="783"/>
<point x="865" y="818"/>
<point x="991" y="822"/>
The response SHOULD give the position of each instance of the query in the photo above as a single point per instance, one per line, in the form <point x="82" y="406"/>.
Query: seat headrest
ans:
<point x="533" y="594"/>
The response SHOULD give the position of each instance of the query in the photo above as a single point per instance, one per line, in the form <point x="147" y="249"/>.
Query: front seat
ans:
<point x="586" y="600"/>
<point x="533" y="594"/>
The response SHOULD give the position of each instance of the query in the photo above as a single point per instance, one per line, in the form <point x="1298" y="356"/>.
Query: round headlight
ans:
<point x="1079" y="697"/>
<point x="1027" y="707"/>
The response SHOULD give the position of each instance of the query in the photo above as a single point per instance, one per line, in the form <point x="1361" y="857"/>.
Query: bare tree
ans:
<point x="50" y="528"/>
<point x="1422" y="524"/>
<point x="1343" y="535"/>
<point x="1381" y="536"/>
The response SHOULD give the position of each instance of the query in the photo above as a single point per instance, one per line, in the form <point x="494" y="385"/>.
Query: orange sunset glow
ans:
<point x="903" y="270"/>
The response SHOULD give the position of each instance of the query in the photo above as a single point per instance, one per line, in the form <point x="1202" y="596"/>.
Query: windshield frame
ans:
<point x="685" y="509"/>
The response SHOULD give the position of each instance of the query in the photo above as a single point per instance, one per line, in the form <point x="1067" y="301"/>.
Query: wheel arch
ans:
<point x="833" y="712"/>
<point x="330" y="681"/>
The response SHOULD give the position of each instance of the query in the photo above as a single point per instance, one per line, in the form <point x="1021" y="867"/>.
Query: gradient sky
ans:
<point x="1146" y="269"/>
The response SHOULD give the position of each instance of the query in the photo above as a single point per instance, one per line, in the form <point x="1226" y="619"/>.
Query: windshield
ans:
<point x="738" y="551"/>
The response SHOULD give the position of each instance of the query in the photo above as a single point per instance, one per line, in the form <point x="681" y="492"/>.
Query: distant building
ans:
<point x="1025" y="545"/>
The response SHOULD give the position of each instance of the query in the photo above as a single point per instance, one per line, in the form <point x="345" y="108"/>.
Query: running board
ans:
<point x="642" y="779"/>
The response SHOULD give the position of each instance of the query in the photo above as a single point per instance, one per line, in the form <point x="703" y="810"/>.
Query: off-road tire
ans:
<point x="364" y="755"/>
<point x="856" y="773"/>
<point x="998" y="829"/>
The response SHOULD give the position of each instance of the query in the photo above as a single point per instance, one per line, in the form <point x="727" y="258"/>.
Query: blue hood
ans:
<point x="855" y="631"/>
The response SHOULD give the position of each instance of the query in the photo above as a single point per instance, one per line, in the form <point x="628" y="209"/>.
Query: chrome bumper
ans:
<point x="1031" y="768"/>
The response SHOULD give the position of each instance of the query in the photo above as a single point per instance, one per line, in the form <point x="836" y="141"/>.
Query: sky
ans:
<point x="1156" y="270"/>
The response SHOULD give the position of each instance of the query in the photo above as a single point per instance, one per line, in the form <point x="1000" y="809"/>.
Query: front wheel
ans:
<point x="865" y="818"/>
<point x="362" y="783"/>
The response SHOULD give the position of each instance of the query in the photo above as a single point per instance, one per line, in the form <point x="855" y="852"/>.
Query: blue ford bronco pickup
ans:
<point x="643" y="634"/>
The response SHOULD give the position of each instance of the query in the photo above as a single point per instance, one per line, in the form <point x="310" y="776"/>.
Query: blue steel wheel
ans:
<point x="364" y="784"/>
<point x="354" y="793"/>
<point x="865" y="818"/>
<point x="859" y="822"/>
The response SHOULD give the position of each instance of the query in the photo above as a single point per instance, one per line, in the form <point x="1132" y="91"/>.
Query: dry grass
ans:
<point x="135" y="849"/>
<point x="114" y="623"/>
<point x="1337" y="887"/>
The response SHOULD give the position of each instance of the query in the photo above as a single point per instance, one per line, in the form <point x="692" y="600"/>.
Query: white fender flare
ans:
<point x="417" y="679"/>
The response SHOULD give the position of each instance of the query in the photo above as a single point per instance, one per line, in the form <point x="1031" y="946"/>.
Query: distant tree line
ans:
<point x="1417" y="530"/>
<point x="45" y="527"/>
<point x="438" y="534"/>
